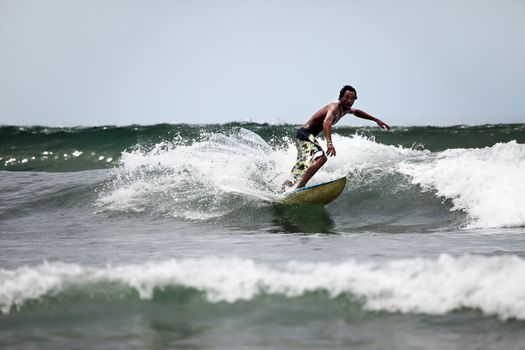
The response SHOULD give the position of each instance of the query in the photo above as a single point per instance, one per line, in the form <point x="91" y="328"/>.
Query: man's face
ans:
<point x="348" y="99"/>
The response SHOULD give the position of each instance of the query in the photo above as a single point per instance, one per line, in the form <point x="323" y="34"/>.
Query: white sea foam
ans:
<point x="487" y="183"/>
<point x="493" y="285"/>
<point x="193" y="181"/>
<point x="198" y="181"/>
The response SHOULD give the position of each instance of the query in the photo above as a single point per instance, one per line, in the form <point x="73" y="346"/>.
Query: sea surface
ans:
<point x="168" y="237"/>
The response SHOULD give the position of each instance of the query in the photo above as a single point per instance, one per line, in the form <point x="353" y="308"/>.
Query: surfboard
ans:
<point x="321" y="194"/>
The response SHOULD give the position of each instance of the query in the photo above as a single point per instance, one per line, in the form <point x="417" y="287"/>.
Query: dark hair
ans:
<point x="345" y="89"/>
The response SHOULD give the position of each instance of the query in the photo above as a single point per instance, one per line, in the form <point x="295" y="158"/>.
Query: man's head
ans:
<point x="347" y="95"/>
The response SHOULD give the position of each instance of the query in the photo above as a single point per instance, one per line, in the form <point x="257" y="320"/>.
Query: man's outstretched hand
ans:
<point x="382" y="124"/>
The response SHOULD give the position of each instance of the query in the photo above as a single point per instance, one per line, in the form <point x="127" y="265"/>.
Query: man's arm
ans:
<point x="327" y="127"/>
<point x="363" y="115"/>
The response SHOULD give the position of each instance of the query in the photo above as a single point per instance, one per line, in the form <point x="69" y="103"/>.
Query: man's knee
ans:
<point x="322" y="159"/>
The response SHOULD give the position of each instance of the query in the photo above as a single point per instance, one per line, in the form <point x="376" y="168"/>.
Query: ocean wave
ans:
<point x="486" y="183"/>
<point x="206" y="179"/>
<point x="190" y="181"/>
<point x="438" y="286"/>
<point x="222" y="173"/>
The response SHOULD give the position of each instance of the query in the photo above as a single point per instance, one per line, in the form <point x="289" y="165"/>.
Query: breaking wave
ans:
<point x="438" y="286"/>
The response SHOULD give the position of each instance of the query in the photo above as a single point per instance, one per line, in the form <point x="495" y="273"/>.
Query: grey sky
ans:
<point x="439" y="62"/>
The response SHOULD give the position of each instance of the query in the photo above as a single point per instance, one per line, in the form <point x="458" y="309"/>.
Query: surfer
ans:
<point x="310" y="155"/>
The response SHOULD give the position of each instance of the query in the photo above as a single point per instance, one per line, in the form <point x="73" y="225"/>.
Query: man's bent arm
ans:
<point x="327" y="128"/>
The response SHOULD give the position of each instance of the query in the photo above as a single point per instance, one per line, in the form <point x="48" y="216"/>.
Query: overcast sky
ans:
<point x="413" y="62"/>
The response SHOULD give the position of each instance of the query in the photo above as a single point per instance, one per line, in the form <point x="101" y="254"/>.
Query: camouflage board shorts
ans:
<point x="308" y="150"/>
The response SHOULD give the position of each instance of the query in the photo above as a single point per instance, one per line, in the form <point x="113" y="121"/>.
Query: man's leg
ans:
<point x="312" y="169"/>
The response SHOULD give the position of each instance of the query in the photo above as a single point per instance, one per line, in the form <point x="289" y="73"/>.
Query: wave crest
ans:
<point x="431" y="286"/>
<point x="486" y="182"/>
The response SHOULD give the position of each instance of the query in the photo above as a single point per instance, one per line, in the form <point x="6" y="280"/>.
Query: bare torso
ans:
<point x="315" y="123"/>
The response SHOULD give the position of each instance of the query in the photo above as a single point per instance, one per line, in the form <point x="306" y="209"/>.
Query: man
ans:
<point x="310" y="155"/>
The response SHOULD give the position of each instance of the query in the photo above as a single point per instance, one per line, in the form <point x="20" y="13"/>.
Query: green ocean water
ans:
<point x="83" y="148"/>
<point x="167" y="236"/>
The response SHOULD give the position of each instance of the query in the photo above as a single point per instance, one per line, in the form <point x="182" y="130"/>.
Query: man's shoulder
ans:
<point x="331" y="106"/>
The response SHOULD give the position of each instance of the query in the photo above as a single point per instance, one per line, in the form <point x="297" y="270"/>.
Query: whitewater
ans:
<point x="418" y="285"/>
<point x="476" y="181"/>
